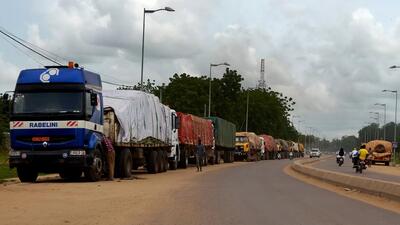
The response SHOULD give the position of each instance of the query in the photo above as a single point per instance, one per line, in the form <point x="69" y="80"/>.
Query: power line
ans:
<point x="32" y="45"/>
<point x="33" y="50"/>
<point x="20" y="50"/>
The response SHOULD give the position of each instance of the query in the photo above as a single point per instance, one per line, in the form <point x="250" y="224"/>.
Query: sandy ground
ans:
<point x="376" y="201"/>
<point x="53" y="201"/>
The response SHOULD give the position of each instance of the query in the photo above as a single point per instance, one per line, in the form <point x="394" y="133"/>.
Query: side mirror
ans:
<point x="93" y="99"/>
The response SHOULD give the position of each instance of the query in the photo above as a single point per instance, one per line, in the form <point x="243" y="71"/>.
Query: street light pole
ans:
<point x="209" y="86"/>
<point x="377" y="120"/>
<point x="395" y="121"/>
<point x="144" y="24"/>
<point x="384" y="119"/>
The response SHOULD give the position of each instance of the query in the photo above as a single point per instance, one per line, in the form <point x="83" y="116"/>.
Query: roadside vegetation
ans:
<point x="5" y="172"/>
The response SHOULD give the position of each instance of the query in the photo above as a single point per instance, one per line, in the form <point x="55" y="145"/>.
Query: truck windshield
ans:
<point x="48" y="102"/>
<point x="241" y="139"/>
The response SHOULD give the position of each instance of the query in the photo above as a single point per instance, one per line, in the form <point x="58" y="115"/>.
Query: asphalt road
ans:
<point x="261" y="193"/>
<point x="347" y="167"/>
<point x="239" y="193"/>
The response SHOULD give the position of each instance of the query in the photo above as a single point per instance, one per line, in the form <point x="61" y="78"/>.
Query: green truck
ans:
<point x="224" y="138"/>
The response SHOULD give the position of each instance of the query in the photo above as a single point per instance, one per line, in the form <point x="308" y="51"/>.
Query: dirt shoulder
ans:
<point x="376" y="201"/>
<point x="53" y="201"/>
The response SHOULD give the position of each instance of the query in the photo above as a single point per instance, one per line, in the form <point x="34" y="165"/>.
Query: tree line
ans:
<point x="269" y="110"/>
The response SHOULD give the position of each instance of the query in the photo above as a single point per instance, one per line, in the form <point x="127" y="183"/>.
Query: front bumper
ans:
<point x="49" y="161"/>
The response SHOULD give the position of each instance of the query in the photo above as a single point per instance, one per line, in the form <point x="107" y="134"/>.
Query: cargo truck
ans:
<point x="191" y="129"/>
<point x="248" y="146"/>
<point x="284" y="148"/>
<point x="269" y="146"/>
<point x="380" y="151"/>
<point x="59" y="122"/>
<point x="224" y="138"/>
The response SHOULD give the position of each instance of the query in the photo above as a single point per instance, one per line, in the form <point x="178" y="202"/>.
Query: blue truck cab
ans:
<point x="56" y="123"/>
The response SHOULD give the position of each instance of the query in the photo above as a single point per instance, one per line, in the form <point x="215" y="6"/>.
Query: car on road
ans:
<point x="315" y="152"/>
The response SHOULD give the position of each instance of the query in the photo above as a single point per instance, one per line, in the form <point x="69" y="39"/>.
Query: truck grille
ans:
<point x="53" y="139"/>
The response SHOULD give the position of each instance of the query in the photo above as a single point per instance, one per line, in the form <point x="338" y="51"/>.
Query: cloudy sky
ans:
<point x="332" y="57"/>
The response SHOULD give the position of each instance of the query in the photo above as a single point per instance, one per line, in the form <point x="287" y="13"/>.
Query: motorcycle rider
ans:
<point x="339" y="155"/>
<point x="354" y="157"/>
<point x="362" y="153"/>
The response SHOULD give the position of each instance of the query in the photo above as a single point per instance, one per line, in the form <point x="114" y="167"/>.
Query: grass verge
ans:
<point x="5" y="171"/>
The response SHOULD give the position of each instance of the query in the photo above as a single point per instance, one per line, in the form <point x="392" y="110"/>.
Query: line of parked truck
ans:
<point x="61" y="119"/>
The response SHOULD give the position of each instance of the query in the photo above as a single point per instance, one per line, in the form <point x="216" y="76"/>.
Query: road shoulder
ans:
<point x="376" y="201"/>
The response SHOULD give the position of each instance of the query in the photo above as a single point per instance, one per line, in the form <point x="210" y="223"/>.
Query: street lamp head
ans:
<point x="169" y="9"/>
<point x="393" y="67"/>
<point x="226" y="64"/>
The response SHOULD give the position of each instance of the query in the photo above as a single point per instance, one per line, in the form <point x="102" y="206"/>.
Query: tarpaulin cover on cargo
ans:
<point x="301" y="147"/>
<point x="269" y="143"/>
<point x="283" y="144"/>
<point x="295" y="146"/>
<point x="192" y="128"/>
<point x="224" y="132"/>
<point x="140" y="115"/>
<point x="379" y="148"/>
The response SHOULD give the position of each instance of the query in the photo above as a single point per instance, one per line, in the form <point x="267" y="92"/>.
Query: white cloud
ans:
<point x="333" y="61"/>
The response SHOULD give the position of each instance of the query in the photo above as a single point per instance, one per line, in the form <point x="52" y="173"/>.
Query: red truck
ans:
<point x="191" y="128"/>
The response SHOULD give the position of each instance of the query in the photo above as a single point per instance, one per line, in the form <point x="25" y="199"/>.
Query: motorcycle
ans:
<point x="279" y="156"/>
<point x="339" y="160"/>
<point x="290" y="155"/>
<point x="360" y="166"/>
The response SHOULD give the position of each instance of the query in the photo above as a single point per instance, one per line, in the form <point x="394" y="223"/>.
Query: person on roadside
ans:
<point x="200" y="151"/>
<point x="110" y="157"/>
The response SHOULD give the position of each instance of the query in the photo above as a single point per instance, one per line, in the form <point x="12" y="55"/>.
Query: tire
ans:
<point x="173" y="164"/>
<point x="27" y="174"/>
<point x="152" y="162"/>
<point x="71" y="174"/>
<point x="217" y="157"/>
<point x="126" y="163"/>
<point x="183" y="163"/>
<point x="227" y="157"/>
<point x="95" y="171"/>
<point x="163" y="161"/>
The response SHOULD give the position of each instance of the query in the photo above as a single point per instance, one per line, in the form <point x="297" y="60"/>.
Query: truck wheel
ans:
<point x="183" y="163"/>
<point x="93" y="172"/>
<point x="173" y="164"/>
<point x="152" y="162"/>
<point x="160" y="160"/>
<point x="165" y="161"/>
<point x="226" y="157"/>
<point x="126" y="163"/>
<point x="27" y="174"/>
<point x="217" y="157"/>
<point x="71" y="174"/>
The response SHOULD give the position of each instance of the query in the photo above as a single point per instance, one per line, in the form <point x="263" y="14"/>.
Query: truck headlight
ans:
<point x="14" y="153"/>
<point x="77" y="153"/>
